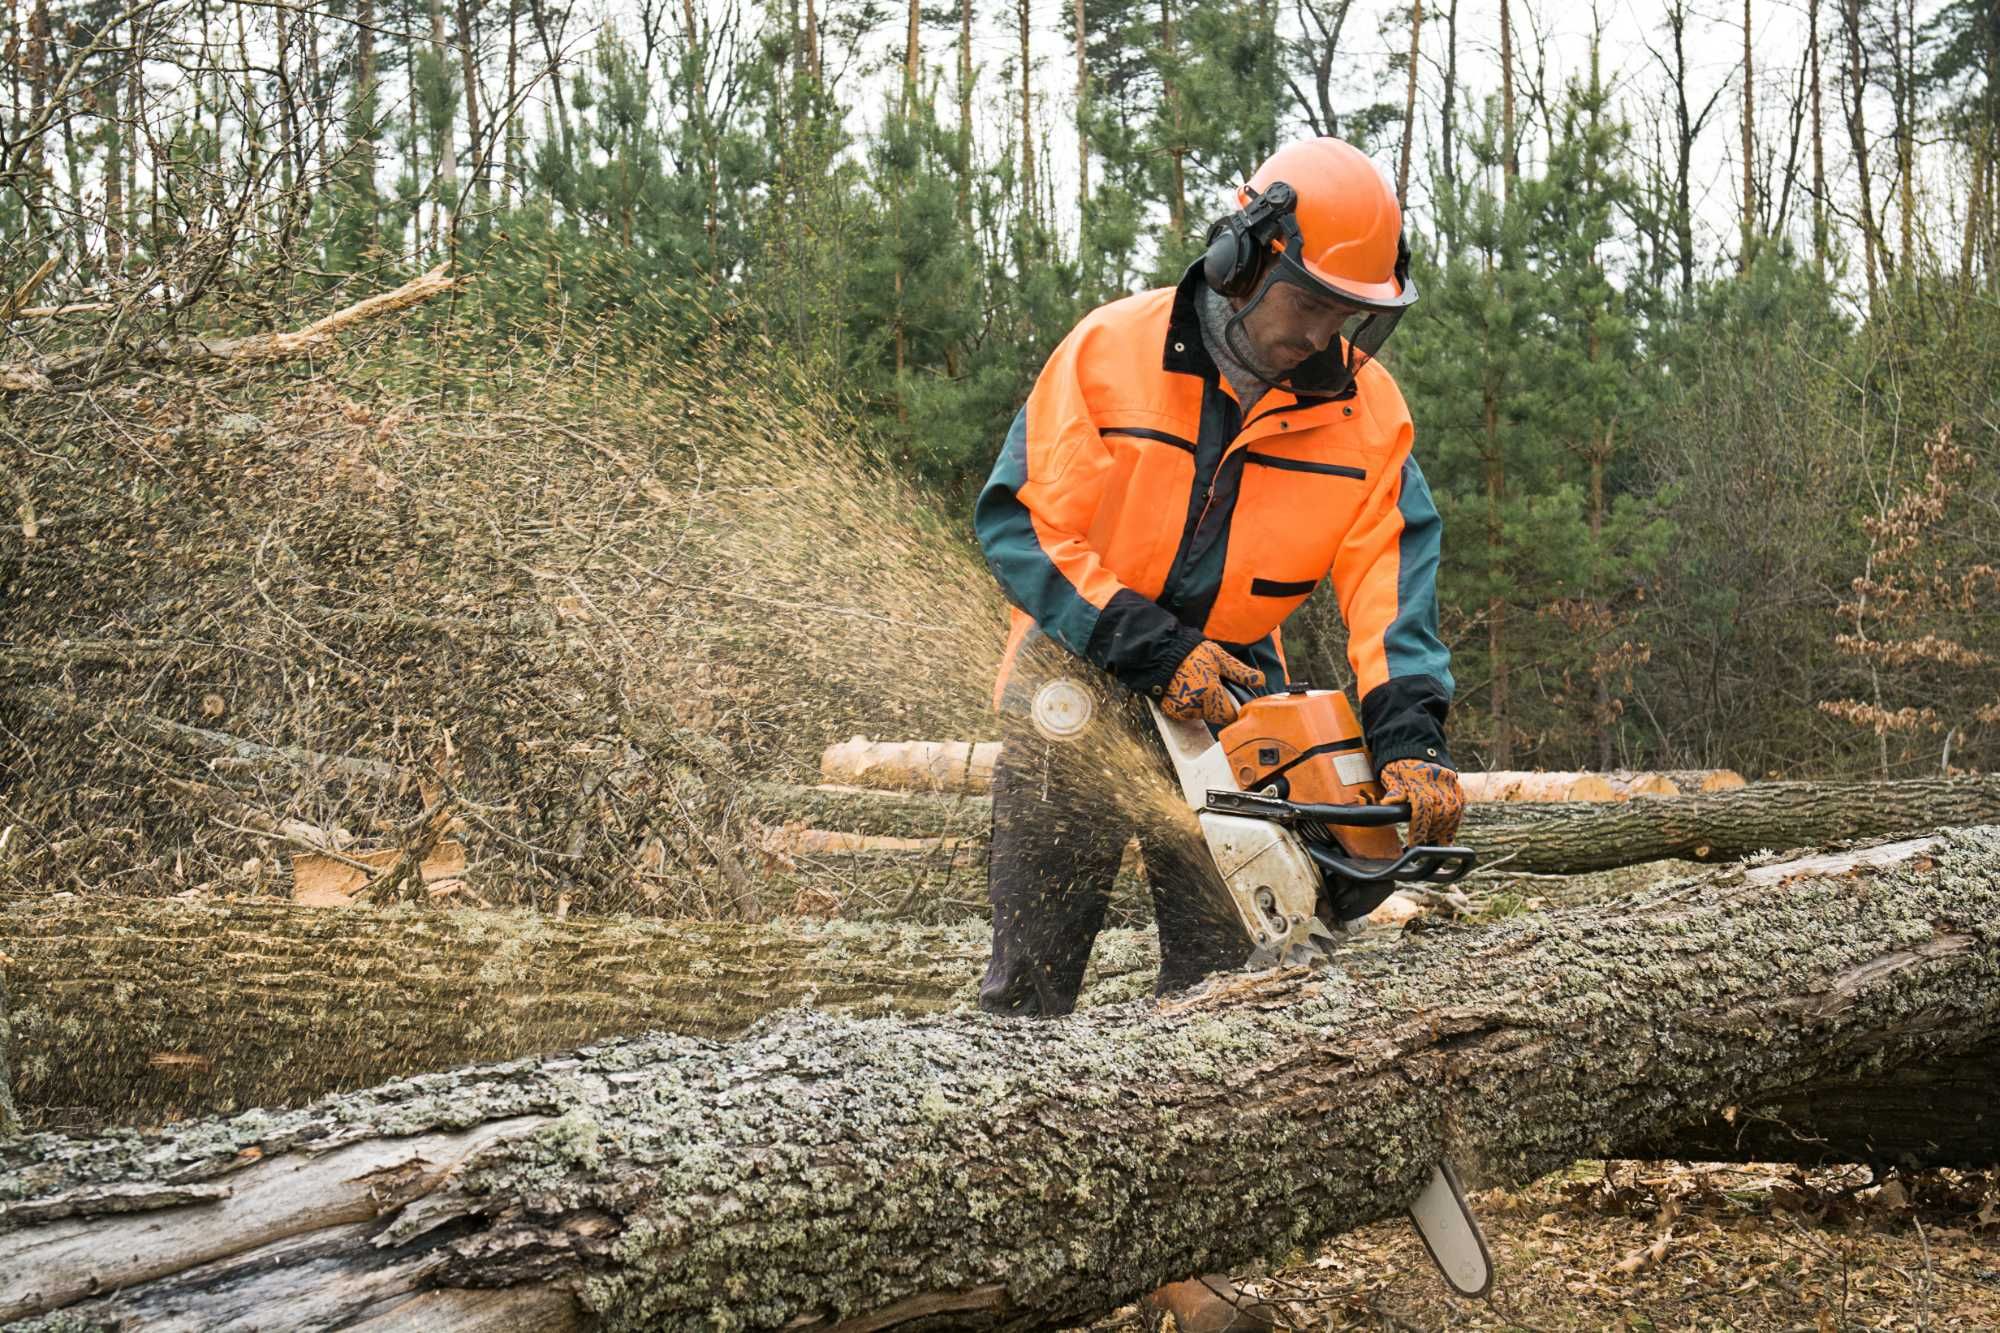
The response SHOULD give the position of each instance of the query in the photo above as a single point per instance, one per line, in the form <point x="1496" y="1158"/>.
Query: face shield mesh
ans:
<point x="1317" y="313"/>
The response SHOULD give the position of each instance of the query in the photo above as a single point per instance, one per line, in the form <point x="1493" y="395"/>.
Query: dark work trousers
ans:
<point x="1059" y="829"/>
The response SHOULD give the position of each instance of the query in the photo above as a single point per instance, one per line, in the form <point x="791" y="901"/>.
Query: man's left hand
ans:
<point x="1436" y="803"/>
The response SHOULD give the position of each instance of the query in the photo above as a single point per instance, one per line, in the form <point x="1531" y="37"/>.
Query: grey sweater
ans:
<point x="1213" y="308"/>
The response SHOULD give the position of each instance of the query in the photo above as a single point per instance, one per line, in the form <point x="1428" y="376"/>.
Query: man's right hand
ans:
<point x="1196" y="691"/>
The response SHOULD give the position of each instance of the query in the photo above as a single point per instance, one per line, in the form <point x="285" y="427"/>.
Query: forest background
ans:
<point x="1704" y="372"/>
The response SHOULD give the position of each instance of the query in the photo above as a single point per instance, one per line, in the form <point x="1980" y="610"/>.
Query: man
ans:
<point x="1191" y="462"/>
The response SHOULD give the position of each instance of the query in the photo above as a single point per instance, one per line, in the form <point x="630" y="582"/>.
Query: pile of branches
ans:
<point x="498" y="595"/>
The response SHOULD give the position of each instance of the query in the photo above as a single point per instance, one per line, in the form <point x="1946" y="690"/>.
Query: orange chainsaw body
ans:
<point x="1305" y="745"/>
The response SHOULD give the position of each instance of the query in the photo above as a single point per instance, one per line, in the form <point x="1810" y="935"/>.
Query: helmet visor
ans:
<point x="1321" y="308"/>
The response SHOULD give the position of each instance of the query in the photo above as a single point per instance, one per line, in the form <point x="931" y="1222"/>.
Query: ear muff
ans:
<point x="1237" y="244"/>
<point x="1231" y="264"/>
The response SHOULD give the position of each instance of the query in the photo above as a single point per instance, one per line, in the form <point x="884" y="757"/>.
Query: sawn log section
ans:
<point x="975" y="1172"/>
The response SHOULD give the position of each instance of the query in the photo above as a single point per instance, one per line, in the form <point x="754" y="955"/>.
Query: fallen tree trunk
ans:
<point x="318" y="1000"/>
<point x="1722" y="826"/>
<point x="835" y="1172"/>
<point x="203" y="1007"/>
<point x="1553" y="839"/>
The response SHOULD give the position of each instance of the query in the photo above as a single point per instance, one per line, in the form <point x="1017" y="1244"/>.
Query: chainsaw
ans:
<point x="1288" y="803"/>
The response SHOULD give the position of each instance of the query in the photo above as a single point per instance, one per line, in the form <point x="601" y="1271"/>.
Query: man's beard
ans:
<point x="1244" y="351"/>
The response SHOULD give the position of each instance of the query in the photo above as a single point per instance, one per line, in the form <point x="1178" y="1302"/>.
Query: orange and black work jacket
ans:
<point x="1133" y="512"/>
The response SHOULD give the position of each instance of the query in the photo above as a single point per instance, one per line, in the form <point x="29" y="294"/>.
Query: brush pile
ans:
<point x="538" y="624"/>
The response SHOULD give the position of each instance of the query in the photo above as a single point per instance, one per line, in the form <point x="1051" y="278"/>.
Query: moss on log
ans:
<point x="963" y="1171"/>
<point x="1564" y="838"/>
<point x="135" y="1011"/>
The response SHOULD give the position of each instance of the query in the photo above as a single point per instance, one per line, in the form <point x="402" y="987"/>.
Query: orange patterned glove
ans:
<point x="1436" y="803"/>
<point x="1196" y="692"/>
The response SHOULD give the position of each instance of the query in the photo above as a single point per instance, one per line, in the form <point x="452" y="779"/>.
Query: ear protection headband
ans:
<point x="1238" y="243"/>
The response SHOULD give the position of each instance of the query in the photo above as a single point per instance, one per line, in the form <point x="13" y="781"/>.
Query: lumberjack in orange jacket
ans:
<point x="1135" y="511"/>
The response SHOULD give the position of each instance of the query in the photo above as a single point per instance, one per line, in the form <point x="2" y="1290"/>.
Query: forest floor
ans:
<point x="1675" y="1246"/>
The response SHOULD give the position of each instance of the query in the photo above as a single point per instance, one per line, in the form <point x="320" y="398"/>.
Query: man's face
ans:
<point x="1291" y="324"/>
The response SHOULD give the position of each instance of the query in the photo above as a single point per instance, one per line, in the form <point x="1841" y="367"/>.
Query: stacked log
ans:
<point x="1694" y="780"/>
<point x="1503" y="785"/>
<point x="964" y="766"/>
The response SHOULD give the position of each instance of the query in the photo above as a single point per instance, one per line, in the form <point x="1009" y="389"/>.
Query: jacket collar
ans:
<point x="1321" y="376"/>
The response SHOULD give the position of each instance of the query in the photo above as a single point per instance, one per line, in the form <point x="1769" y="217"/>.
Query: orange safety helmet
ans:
<point x="1332" y="223"/>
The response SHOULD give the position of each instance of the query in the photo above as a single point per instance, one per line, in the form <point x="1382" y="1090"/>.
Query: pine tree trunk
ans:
<point x="697" y="54"/>
<point x="1177" y="190"/>
<point x="1448" y="112"/>
<point x="1749" y="147"/>
<point x="1502" y="750"/>
<point x="468" y="63"/>
<point x="1818" y="142"/>
<point x="965" y="1171"/>
<point x="1409" y="106"/>
<point x="444" y="148"/>
<point x="1082" y="112"/>
<point x="965" y="113"/>
<point x="539" y="14"/>
<point x="116" y="129"/>
<point x="1685" y="131"/>
<point x="1857" y="134"/>
<point x="514" y="147"/>
<point x="1027" y="116"/>
<point x="290" y="135"/>
<point x="1510" y="153"/>
<point x="38" y="105"/>
<point x="365" y="102"/>
<point x="1600" y="676"/>
<point x="135" y="95"/>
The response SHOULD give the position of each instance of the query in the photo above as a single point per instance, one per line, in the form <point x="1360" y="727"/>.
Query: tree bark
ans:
<point x="972" y="1172"/>
<point x="320" y="1000"/>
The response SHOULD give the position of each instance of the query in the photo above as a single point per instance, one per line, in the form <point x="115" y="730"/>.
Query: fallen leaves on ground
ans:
<point x="1659" y="1246"/>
